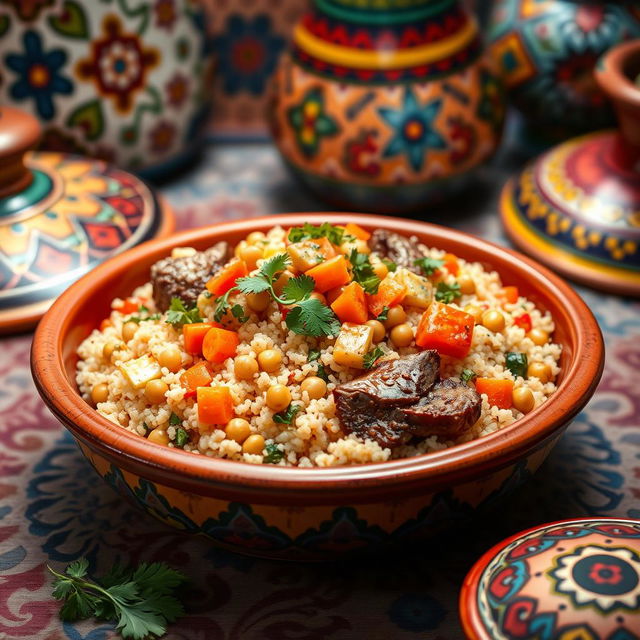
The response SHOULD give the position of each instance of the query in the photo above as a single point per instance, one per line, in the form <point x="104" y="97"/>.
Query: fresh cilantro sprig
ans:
<point x="428" y="265"/>
<point x="363" y="272"/>
<point x="335" y="235"/>
<point x="140" y="600"/>
<point x="178" y="314"/>
<point x="447" y="292"/>
<point x="287" y="415"/>
<point x="274" y="454"/>
<point x="372" y="357"/>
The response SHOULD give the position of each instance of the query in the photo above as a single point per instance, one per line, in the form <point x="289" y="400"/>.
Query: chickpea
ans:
<point x="129" y="330"/>
<point x="99" y="393"/>
<point x="171" y="358"/>
<point x="270" y="360"/>
<point x="256" y="236"/>
<point x="401" y="335"/>
<point x="245" y="367"/>
<point x="154" y="391"/>
<point x="258" y="301"/>
<point x="474" y="311"/>
<point x="108" y="349"/>
<point x="379" y="332"/>
<point x="240" y="248"/>
<point x="467" y="284"/>
<point x="238" y="429"/>
<point x="333" y="294"/>
<point x="395" y="316"/>
<point x="493" y="320"/>
<point x="314" y="386"/>
<point x="318" y="296"/>
<point x="539" y="370"/>
<point x="253" y="444"/>
<point x="523" y="399"/>
<point x="283" y="278"/>
<point x="278" y="397"/>
<point x="251" y="254"/>
<point x="159" y="436"/>
<point x="381" y="270"/>
<point x="538" y="336"/>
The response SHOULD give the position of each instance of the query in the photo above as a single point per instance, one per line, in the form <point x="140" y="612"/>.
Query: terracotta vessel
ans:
<point x="576" y="208"/>
<point x="311" y="514"/>
<point x="386" y="106"/>
<point x="60" y="215"/>
<point x="564" y="580"/>
<point x="547" y="51"/>
<point x="126" y="84"/>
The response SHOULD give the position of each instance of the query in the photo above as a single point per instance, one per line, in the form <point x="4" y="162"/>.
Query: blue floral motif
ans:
<point x="247" y="53"/>
<point x="38" y="74"/>
<point x="414" y="133"/>
<point x="417" y="612"/>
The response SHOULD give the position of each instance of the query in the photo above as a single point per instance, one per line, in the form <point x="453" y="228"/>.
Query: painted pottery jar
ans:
<point x="386" y="106"/>
<point x="577" y="207"/>
<point x="125" y="82"/>
<point x="547" y="50"/>
<point x="565" y="580"/>
<point x="60" y="215"/>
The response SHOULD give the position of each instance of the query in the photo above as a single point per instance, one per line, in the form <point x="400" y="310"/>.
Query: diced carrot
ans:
<point x="194" y="334"/>
<point x="130" y="305"/>
<point x="219" y="344"/>
<point x="196" y="376"/>
<point x="451" y="264"/>
<point x="356" y="230"/>
<point x="509" y="294"/>
<point x="350" y="305"/>
<point x="390" y="293"/>
<point x="215" y="405"/>
<point x="330" y="274"/>
<point x="226" y="278"/>
<point x="105" y="323"/>
<point x="445" y="329"/>
<point x="498" y="392"/>
<point x="524" y="322"/>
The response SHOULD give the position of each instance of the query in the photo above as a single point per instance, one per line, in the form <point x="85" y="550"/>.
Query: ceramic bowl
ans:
<point x="309" y="514"/>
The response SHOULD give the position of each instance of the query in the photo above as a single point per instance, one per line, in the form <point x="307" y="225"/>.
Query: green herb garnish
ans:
<point x="382" y="316"/>
<point x="141" y="601"/>
<point x="335" y="235"/>
<point x="287" y="416"/>
<point x="238" y="313"/>
<point x="467" y="375"/>
<point x="274" y="454"/>
<point x="178" y="314"/>
<point x="182" y="437"/>
<point x="363" y="272"/>
<point x="447" y="292"/>
<point x="174" y="419"/>
<point x="517" y="363"/>
<point x="390" y="264"/>
<point x="149" y="316"/>
<point x="428" y="265"/>
<point x="313" y="355"/>
<point x="372" y="357"/>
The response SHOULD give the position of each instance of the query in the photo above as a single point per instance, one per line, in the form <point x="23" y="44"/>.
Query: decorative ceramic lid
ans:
<point x="60" y="215"/>
<point x="577" y="207"/>
<point x="569" y="580"/>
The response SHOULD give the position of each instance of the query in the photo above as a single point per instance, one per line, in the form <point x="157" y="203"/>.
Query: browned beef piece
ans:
<point x="185" y="278"/>
<point x="450" y="408"/>
<point x="396" y="248"/>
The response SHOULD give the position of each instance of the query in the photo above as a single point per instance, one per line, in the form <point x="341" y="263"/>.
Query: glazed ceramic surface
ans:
<point x="385" y="106"/>
<point x="296" y="513"/>
<point x="576" y="579"/>
<point x="123" y="81"/>
<point x="547" y="50"/>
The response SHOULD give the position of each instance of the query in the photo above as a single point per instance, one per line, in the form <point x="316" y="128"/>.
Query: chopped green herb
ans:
<point x="287" y="416"/>
<point x="207" y="294"/>
<point x="390" y="264"/>
<point x="238" y="312"/>
<point x="467" y="375"/>
<point x="146" y="426"/>
<point x="335" y="235"/>
<point x="178" y="314"/>
<point x="274" y="454"/>
<point x="372" y="357"/>
<point x="447" y="292"/>
<point x="182" y="437"/>
<point x="517" y="363"/>
<point x="363" y="272"/>
<point x="314" y="354"/>
<point x="174" y="419"/>
<point x="142" y="309"/>
<point x="428" y="265"/>
<point x="322" y="373"/>
<point x="382" y="316"/>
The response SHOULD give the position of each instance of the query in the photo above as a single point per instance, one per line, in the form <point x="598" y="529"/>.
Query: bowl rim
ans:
<point x="493" y="451"/>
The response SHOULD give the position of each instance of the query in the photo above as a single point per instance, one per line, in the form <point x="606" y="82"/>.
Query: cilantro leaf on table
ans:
<point x="178" y="314"/>
<point x="447" y="292"/>
<point x="363" y="272"/>
<point x="335" y="235"/>
<point x="312" y="318"/>
<point x="428" y="265"/>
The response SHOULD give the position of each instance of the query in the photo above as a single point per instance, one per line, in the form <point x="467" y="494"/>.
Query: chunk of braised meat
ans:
<point x="186" y="277"/>
<point x="396" y="248"/>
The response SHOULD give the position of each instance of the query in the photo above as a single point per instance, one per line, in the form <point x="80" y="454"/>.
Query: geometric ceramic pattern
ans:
<point x="125" y="82"/>
<point x="577" y="579"/>
<point x="547" y="50"/>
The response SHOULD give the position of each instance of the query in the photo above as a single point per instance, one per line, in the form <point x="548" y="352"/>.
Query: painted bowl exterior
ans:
<point x="127" y="85"/>
<point x="380" y="114"/>
<point x="307" y="514"/>
<point x="546" y="51"/>
<point x="564" y="580"/>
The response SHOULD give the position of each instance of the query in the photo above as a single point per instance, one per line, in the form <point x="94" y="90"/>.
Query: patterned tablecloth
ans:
<point x="54" y="508"/>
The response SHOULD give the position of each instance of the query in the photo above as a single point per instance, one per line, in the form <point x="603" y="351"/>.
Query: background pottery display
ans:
<point x="565" y="580"/>
<point x="577" y="207"/>
<point x="61" y="214"/>
<point x="385" y="106"/>
<point x="301" y="513"/>
<point x="547" y="50"/>
<point x="125" y="82"/>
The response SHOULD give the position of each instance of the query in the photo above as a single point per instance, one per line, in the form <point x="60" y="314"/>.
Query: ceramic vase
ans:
<point x="386" y="105"/>
<point x="123" y="80"/>
<point x="547" y="50"/>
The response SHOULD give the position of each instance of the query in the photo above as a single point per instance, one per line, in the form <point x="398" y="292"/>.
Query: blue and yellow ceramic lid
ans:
<point x="60" y="215"/>
<point x="570" y="580"/>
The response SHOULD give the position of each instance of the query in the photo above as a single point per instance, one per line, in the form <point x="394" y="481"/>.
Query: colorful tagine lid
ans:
<point x="569" y="580"/>
<point x="60" y="215"/>
<point x="577" y="207"/>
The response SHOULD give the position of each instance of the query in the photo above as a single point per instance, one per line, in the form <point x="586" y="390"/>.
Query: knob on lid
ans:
<point x="19" y="132"/>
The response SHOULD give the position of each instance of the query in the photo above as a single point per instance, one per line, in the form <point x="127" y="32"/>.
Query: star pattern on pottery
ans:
<point x="310" y="122"/>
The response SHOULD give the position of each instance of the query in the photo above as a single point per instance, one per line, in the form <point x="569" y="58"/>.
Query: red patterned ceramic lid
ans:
<point x="60" y="215"/>
<point x="570" y="580"/>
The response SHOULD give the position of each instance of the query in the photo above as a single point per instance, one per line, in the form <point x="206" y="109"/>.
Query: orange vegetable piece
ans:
<point x="219" y="344"/>
<point x="445" y="329"/>
<point x="326" y="248"/>
<point x="226" y="278"/>
<point x="451" y="264"/>
<point x="105" y="323"/>
<point x="498" y="392"/>
<point x="356" y="230"/>
<point x="130" y="305"/>
<point x="509" y="294"/>
<point x="194" y="334"/>
<point x="330" y="274"/>
<point x="390" y="293"/>
<point x="523" y="321"/>
<point x="215" y="405"/>
<point x="196" y="376"/>
<point x="351" y="305"/>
